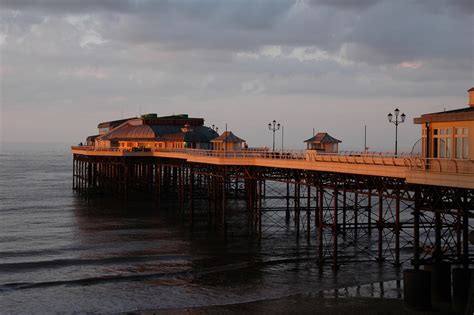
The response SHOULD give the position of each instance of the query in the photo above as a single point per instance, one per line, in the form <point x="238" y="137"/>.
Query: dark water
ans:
<point x="61" y="253"/>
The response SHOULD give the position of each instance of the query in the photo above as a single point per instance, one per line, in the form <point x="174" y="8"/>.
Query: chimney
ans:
<point x="471" y="97"/>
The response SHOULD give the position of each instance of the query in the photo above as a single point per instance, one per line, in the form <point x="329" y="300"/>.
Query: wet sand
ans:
<point x="306" y="304"/>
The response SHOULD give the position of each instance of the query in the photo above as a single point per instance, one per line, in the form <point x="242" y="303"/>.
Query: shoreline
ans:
<point x="372" y="298"/>
<point x="303" y="304"/>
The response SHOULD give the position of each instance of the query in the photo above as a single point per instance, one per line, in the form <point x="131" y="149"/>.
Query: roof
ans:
<point x="197" y="134"/>
<point x="154" y="119"/>
<point x="91" y="138"/>
<point x="174" y="121"/>
<point x="323" y="137"/>
<point x="471" y="89"/>
<point x="113" y="123"/>
<point x="461" y="114"/>
<point x="129" y="131"/>
<point x="177" y="116"/>
<point x="228" y="136"/>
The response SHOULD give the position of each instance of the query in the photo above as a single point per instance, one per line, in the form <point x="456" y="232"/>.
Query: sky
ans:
<point x="332" y="65"/>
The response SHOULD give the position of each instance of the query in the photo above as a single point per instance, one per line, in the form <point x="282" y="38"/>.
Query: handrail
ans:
<point x="412" y="163"/>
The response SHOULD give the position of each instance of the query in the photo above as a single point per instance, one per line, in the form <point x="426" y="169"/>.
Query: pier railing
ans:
<point x="412" y="163"/>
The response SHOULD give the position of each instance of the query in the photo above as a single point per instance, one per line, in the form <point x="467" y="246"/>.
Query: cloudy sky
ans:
<point x="332" y="65"/>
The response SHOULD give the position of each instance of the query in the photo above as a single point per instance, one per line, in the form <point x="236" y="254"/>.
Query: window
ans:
<point x="423" y="142"/>
<point x="462" y="143"/>
<point x="442" y="143"/>
<point x="103" y="130"/>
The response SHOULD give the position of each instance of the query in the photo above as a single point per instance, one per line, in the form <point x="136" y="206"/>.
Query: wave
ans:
<point x="135" y="277"/>
<point x="22" y="266"/>
<point x="93" y="280"/>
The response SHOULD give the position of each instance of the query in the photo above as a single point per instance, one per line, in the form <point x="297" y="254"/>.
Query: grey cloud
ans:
<point x="346" y="4"/>
<point x="385" y="32"/>
<point x="176" y="54"/>
<point x="466" y="6"/>
<point x="462" y="6"/>
<point x="393" y="33"/>
<point x="245" y="13"/>
<point x="68" y="6"/>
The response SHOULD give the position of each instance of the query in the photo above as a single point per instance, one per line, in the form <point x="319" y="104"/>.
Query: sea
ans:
<point x="63" y="253"/>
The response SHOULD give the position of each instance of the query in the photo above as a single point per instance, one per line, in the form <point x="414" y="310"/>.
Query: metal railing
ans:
<point x="412" y="163"/>
<point x="454" y="166"/>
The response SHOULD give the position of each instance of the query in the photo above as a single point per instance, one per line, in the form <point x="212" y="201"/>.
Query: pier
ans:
<point x="421" y="205"/>
<point x="413" y="211"/>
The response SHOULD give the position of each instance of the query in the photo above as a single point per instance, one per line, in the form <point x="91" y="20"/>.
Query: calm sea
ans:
<point x="62" y="253"/>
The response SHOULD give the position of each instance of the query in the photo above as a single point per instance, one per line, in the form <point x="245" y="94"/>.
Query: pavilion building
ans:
<point x="153" y="132"/>
<point x="322" y="142"/>
<point x="227" y="141"/>
<point x="449" y="134"/>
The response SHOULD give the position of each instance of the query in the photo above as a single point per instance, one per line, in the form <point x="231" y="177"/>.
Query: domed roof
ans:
<point x="128" y="131"/>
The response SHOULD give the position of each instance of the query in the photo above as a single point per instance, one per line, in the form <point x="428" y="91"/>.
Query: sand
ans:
<point x="306" y="304"/>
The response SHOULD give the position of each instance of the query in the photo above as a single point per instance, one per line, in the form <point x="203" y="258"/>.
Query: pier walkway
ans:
<point x="414" y="170"/>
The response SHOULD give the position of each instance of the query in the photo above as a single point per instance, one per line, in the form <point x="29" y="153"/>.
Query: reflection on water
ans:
<point x="60" y="252"/>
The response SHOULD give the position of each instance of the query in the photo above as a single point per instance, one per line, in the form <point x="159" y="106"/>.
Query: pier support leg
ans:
<point x="344" y="211"/>
<point x="335" y="252"/>
<point x="259" y="215"/>
<point x="369" y="212"/>
<point x="321" y="227"/>
<point x="297" y="209"/>
<point x="74" y="172"/>
<point x="397" y="228"/>
<point x="224" y="205"/>
<point x="191" y="197"/>
<point x="287" y="214"/>
<point x="380" y="226"/>
<point x="308" y="214"/>
<point x="356" y="216"/>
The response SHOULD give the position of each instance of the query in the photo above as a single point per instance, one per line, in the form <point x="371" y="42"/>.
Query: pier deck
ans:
<point x="415" y="170"/>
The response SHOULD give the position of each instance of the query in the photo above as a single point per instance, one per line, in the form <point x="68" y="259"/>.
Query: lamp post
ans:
<point x="273" y="126"/>
<point x="396" y="122"/>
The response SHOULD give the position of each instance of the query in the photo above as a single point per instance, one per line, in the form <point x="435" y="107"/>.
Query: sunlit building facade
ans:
<point x="153" y="132"/>
<point x="449" y="134"/>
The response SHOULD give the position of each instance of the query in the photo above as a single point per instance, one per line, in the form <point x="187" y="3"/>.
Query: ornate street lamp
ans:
<point x="273" y="126"/>
<point x="396" y="122"/>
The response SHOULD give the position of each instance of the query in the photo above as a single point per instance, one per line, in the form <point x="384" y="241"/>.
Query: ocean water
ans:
<point x="60" y="252"/>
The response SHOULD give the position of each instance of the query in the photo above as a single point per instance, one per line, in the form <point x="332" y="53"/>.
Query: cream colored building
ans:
<point x="449" y="134"/>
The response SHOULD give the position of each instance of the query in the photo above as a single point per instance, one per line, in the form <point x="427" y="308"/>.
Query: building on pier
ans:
<point x="322" y="142"/>
<point x="106" y="126"/>
<point x="153" y="132"/>
<point x="449" y="134"/>
<point x="227" y="141"/>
